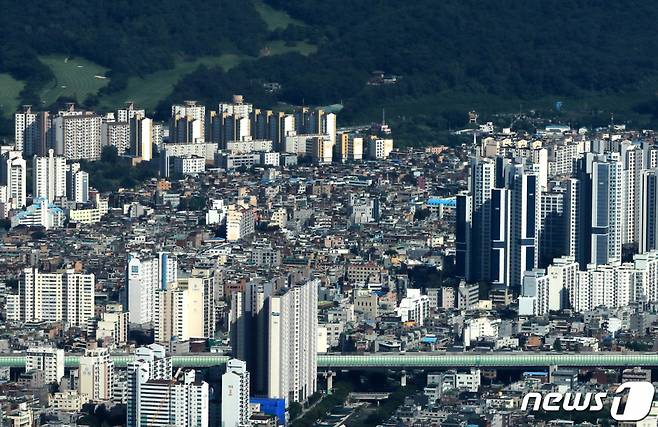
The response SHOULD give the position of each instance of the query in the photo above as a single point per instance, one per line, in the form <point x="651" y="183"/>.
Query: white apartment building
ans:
<point x="32" y="131"/>
<point x="77" y="134"/>
<point x="188" y="123"/>
<point x="25" y="128"/>
<point x="320" y="149"/>
<point x="156" y="398"/>
<point x="318" y="146"/>
<point x="125" y="114"/>
<point x="96" y="375"/>
<point x="236" y="108"/>
<point x="216" y="212"/>
<point x="78" y="184"/>
<point x="292" y="325"/>
<point x="157" y="134"/>
<point x="537" y="295"/>
<point x="40" y="213"/>
<point x="546" y="290"/>
<point x="611" y="285"/>
<point x="279" y="217"/>
<point x="141" y="137"/>
<point x="240" y="222"/>
<point x="66" y="401"/>
<point x="13" y="170"/>
<point x="145" y="275"/>
<point x="189" y="165"/>
<point x="179" y="312"/>
<point x="379" y="148"/>
<point x="185" y="310"/>
<point x="116" y="134"/>
<point x="248" y="145"/>
<point x="646" y="284"/>
<point x="204" y="279"/>
<point x="236" y="411"/>
<point x="90" y="215"/>
<point x="49" y="176"/>
<point x="608" y="214"/>
<point x="181" y="403"/>
<point x="350" y="147"/>
<point x="47" y="359"/>
<point x="64" y="296"/>
<point x="480" y="327"/>
<point x="270" y="158"/>
<point x="453" y="380"/>
<point x="23" y="416"/>
<point x="560" y="162"/>
<point x="113" y="325"/>
<point x="150" y="363"/>
<point x="562" y="273"/>
<point x="414" y="307"/>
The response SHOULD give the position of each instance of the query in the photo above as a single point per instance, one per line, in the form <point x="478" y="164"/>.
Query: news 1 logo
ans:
<point x="639" y="398"/>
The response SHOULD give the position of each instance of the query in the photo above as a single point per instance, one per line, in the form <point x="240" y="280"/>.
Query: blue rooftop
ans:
<point x="436" y="201"/>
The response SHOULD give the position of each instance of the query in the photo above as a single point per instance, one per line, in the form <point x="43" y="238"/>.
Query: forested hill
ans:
<point x="125" y="36"/>
<point x="503" y="46"/>
<point x="448" y="55"/>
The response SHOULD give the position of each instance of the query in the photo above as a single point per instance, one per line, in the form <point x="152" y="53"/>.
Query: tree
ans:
<point x="109" y="154"/>
<point x="295" y="410"/>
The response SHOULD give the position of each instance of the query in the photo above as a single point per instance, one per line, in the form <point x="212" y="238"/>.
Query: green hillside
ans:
<point x="274" y="19"/>
<point x="446" y="57"/>
<point x="150" y="89"/>
<point x="74" y="78"/>
<point x="10" y="90"/>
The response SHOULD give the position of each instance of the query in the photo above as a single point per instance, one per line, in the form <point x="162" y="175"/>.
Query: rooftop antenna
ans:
<point x="383" y="116"/>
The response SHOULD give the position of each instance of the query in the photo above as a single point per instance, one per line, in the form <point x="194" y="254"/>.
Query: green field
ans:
<point x="74" y="77"/>
<point x="147" y="91"/>
<point x="78" y="78"/>
<point x="9" y="94"/>
<point x="274" y="19"/>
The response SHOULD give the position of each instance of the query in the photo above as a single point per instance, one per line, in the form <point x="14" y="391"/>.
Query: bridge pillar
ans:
<point x="330" y="381"/>
<point x="551" y="371"/>
<point x="403" y="379"/>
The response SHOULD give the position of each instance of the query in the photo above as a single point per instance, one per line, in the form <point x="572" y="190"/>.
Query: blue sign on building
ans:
<point x="276" y="407"/>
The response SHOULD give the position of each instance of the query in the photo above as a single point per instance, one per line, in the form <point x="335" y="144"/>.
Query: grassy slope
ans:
<point x="9" y="94"/>
<point x="147" y="91"/>
<point x="74" y="77"/>
<point x="274" y="19"/>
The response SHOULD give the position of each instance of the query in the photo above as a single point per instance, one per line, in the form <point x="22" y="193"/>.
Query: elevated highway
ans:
<point x="334" y="361"/>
